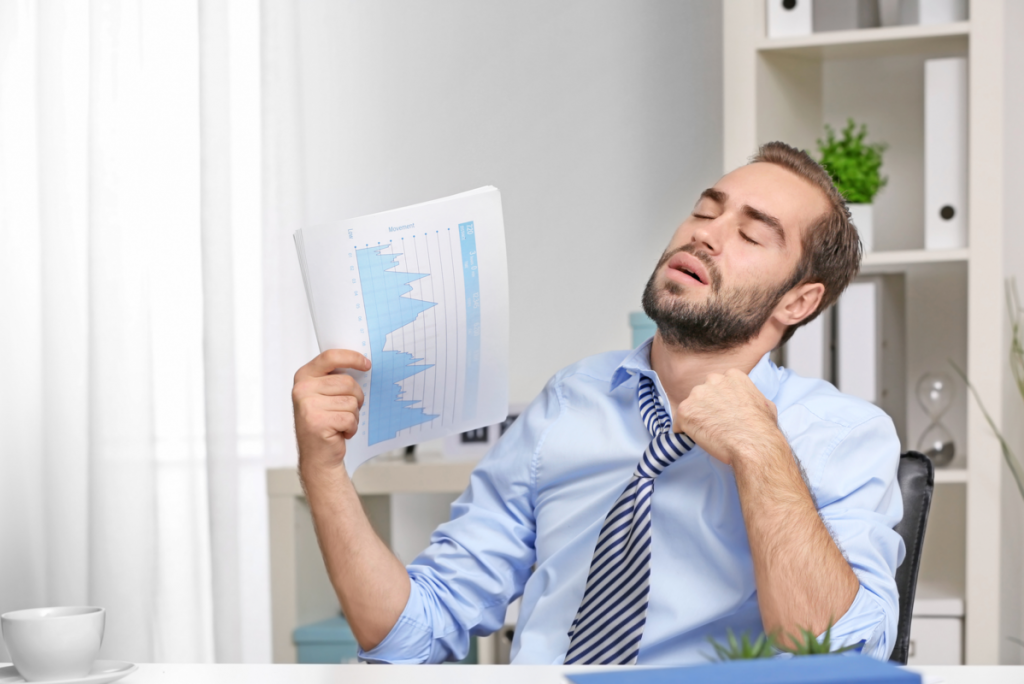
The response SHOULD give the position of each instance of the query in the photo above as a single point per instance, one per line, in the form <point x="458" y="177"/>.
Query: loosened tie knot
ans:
<point x="667" y="446"/>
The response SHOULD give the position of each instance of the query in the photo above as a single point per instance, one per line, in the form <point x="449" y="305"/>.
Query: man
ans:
<point x="649" y="499"/>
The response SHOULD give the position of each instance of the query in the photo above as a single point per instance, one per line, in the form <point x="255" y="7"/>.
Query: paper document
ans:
<point x="423" y="292"/>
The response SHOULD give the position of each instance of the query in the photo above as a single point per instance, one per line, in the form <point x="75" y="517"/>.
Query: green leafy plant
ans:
<point x="1017" y="368"/>
<point x="853" y="164"/>
<point x="765" y="646"/>
<point x="807" y="644"/>
<point x="743" y="649"/>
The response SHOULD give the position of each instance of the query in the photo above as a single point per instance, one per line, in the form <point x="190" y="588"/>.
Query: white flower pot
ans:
<point x="862" y="216"/>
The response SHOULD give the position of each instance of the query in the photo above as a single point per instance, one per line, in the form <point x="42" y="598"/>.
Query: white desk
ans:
<point x="156" y="673"/>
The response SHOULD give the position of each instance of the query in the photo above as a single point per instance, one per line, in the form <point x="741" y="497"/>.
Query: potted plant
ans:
<point x="854" y="166"/>
<point x="767" y="646"/>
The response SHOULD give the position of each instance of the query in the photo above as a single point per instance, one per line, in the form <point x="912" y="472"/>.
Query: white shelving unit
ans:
<point x="787" y="89"/>
<point x="300" y="590"/>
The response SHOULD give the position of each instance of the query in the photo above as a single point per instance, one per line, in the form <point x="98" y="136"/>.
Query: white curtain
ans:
<point x="131" y="322"/>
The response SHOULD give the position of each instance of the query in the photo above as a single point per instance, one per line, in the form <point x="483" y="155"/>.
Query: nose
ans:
<point x="708" y="236"/>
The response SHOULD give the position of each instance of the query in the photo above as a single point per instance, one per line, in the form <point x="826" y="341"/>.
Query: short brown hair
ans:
<point x="831" y="246"/>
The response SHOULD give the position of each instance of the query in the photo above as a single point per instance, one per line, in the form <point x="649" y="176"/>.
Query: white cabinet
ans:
<point x="937" y="630"/>
<point x="936" y="641"/>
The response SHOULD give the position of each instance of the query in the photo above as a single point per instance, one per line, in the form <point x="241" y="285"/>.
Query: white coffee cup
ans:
<point x="53" y="643"/>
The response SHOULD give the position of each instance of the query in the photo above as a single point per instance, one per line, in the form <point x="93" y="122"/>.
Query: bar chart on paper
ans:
<point x="423" y="293"/>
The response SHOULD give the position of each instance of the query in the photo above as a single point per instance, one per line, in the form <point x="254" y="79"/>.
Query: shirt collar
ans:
<point x="638" y="362"/>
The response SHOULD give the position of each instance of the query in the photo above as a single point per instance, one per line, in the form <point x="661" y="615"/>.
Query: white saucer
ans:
<point x="102" y="671"/>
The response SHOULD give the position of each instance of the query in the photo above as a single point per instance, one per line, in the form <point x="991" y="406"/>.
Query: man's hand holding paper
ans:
<point x="326" y="405"/>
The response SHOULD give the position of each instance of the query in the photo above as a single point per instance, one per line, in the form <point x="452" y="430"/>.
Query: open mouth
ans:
<point x="691" y="274"/>
<point x="687" y="268"/>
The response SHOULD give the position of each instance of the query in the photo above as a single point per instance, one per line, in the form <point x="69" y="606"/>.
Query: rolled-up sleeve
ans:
<point x="480" y="560"/>
<point x="859" y="500"/>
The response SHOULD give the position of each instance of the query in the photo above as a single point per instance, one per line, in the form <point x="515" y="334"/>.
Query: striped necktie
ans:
<point x="611" y="618"/>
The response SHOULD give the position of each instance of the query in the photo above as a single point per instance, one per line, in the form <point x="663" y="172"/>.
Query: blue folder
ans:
<point x="821" y="669"/>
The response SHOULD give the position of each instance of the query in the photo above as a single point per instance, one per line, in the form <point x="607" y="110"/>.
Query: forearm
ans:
<point x="371" y="584"/>
<point x="803" y="580"/>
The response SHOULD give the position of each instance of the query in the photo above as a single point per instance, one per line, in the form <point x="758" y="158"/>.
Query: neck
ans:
<point x="680" y="370"/>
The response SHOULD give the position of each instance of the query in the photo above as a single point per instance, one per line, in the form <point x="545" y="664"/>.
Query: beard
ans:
<point x="729" y="318"/>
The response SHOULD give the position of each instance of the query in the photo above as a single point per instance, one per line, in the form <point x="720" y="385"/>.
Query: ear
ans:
<point x="799" y="303"/>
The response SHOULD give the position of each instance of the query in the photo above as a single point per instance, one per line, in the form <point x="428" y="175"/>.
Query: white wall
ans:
<point x="599" y="121"/>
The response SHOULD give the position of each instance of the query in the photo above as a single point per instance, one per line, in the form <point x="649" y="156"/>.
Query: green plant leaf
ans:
<point x="1016" y="320"/>
<point x="765" y="646"/>
<point x="853" y="164"/>
<point x="807" y="644"/>
<point x="743" y="649"/>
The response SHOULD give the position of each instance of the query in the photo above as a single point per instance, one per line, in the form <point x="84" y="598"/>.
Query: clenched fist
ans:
<point x="326" y="407"/>
<point x="728" y="417"/>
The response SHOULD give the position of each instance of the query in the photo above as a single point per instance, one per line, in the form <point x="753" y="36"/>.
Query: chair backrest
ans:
<point x="917" y="480"/>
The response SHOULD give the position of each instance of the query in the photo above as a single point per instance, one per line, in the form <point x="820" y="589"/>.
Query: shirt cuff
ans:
<point x="867" y="621"/>
<point x="408" y="642"/>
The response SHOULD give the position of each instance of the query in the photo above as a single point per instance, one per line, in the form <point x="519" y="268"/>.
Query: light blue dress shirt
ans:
<point x="538" y="499"/>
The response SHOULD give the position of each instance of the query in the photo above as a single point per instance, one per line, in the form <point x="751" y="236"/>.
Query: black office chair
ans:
<point x="916" y="476"/>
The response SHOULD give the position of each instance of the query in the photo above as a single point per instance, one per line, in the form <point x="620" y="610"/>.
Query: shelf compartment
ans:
<point x="796" y="97"/>
<point x="939" y="39"/>
<point x="938" y="600"/>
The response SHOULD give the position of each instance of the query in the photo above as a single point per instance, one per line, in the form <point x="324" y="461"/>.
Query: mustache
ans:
<point x="691" y="248"/>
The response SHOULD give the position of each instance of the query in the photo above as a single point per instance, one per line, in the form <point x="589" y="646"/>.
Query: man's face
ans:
<point x="729" y="264"/>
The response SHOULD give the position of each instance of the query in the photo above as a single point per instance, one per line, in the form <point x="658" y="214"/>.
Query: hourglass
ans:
<point x="935" y="394"/>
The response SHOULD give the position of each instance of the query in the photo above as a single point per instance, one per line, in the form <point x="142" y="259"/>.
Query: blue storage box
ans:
<point x="643" y="327"/>
<point x="330" y="641"/>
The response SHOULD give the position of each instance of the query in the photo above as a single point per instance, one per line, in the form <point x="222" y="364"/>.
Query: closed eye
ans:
<point x="702" y="216"/>
<point x="748" y="239"/>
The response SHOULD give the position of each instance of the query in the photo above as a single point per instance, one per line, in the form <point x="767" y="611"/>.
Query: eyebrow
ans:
<point x="756" y="214"/>
<point x="714" y="195"/>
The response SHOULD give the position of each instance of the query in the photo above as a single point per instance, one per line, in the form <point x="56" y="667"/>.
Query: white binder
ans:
<point x="941" y="11"/>
<point x="857" y="340"/>
<point x="871" y="343"/>
<point x="945" y="153"/>
<point x="789" y="18"/>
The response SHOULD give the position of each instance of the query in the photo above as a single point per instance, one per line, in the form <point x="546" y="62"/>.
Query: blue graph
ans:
<point x="389" y="309"/>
